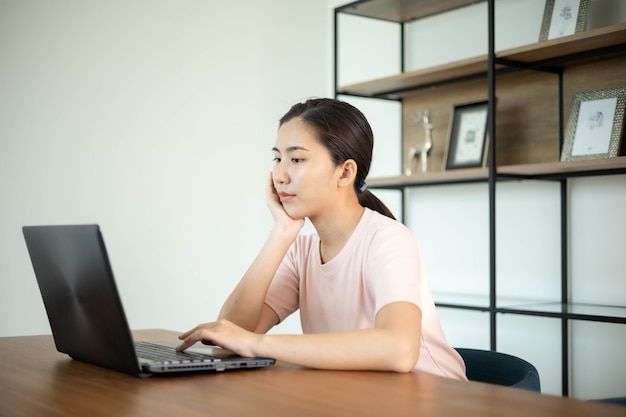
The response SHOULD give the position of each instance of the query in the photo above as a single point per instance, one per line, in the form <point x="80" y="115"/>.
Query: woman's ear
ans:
<point x="348" y="172"/>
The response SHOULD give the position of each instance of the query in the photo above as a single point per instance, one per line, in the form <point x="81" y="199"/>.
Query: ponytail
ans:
<point x="369" y="200"/>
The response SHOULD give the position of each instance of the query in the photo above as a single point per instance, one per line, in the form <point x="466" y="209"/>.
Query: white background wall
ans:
<point x="155" y="119"/>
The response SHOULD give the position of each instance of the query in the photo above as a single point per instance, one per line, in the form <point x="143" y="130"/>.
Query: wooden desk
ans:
<point x="36" y="380"/>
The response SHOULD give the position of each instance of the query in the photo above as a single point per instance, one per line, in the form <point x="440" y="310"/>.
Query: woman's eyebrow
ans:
<point x="291" y="149"/>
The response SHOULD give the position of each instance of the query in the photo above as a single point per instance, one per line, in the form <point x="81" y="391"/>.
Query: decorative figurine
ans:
<point x="423" y="151"/>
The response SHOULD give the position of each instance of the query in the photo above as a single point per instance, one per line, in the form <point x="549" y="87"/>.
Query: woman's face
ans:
<point x="305" y="177"/>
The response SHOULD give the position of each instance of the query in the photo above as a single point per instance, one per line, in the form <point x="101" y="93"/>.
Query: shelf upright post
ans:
<point x="491" y="124"/>
<point x="564" y="258"/>
<point x="564" y="289"/>
<point x="403" y="190"/>
<point x="402" y="46"/>
<point x="336" y="53"/>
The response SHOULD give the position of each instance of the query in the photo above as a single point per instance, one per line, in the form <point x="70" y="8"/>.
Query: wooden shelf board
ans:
<point x="482" y="174"/>
<point x="565" y="168"/>
<point x="414" y="79"/>
<point x="568" y="45"/>
<point x="443" y="177"/>
<point x="401" y="84"/>
<point x="401" y="11"/>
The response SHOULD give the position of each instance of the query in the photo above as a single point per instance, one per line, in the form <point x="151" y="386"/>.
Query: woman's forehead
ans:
<point x="296" y="135"/>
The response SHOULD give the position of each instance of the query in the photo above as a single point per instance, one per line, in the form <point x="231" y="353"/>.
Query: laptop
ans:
<point x="85" y="311"/>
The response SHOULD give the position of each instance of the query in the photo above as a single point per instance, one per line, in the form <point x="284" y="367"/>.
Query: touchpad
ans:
<point x="201" y="349"/>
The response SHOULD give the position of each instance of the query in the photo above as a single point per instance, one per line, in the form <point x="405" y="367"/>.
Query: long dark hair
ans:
<point x="345" y="132"/>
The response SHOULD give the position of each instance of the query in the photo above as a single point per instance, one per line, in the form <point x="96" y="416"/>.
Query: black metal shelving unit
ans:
<point x="405" y="11"/>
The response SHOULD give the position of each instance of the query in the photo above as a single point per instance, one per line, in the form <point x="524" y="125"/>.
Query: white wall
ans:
<point x="154" y="119"/>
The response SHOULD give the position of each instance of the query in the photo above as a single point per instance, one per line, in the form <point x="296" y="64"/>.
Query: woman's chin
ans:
<point x="294" y="213"/>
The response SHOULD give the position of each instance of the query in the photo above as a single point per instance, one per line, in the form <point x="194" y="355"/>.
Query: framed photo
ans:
<point x="595" y="126"/>
<point x="468" y="137"/>
<point x="562" y="18"/>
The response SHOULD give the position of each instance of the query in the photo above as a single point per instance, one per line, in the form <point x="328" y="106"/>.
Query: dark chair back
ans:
<point x="614" y="401"/>
<point x="500" y="369"/>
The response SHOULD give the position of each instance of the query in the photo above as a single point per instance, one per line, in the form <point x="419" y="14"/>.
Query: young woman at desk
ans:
<point x="359" y="282"/>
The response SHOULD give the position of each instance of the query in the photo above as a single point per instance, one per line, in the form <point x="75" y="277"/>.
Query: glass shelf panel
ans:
<point x="591" y="312"/>
<point x="472" y="301"/>
<point x="616" y="314"/>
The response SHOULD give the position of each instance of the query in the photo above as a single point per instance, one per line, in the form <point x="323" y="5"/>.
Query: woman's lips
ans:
<point x="285" y="197"/>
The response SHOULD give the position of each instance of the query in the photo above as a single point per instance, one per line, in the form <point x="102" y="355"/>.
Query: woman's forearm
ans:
<point x="244" y="304"/>
<point x="393" y="345"/>
<point x="368" y="349"/>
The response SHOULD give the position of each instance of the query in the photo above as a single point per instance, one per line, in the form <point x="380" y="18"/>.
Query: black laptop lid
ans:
<point x="78" y="290"/>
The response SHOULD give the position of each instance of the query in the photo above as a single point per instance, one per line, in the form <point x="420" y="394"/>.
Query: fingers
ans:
<point x="184" y="346"/>
<point x="272" y="196"/>
<point x="192" y="339"/>
<point x="192" y="336"/>
<point x="221" y="333"/>
<point x="186" y="334"/>
<point x="269" y="186"/>
<point x="187" y="342"/>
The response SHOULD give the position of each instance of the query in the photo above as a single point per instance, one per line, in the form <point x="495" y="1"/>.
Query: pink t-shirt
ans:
<point x="380" y="264"/>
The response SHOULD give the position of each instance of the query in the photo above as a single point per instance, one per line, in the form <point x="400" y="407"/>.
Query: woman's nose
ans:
<point x="279" y="174"/>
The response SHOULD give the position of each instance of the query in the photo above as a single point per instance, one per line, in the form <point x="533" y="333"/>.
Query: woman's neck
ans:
<point x="335" y="229"/>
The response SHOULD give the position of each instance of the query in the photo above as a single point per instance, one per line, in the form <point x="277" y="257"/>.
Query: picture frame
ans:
<point x="563" y="18"/>
<point x="467" y="146"/>
<point x="595" y="126"/>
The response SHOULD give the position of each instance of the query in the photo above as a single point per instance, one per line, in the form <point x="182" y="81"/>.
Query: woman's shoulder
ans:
<point x="380" y="229"/>
<point x="375" y="221"/>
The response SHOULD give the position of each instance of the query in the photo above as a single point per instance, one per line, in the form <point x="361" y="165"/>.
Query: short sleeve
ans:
<point x="394" y="266"/>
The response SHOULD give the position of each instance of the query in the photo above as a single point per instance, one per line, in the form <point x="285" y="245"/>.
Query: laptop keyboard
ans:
<point x="165" y="354"/>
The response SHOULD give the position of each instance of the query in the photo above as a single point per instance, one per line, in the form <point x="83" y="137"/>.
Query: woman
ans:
<point x="359" y="282"/>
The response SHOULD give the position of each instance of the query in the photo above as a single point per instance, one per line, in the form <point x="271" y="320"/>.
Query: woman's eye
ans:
<point x="296" y="160"/>
<point x="276" y="159"/>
